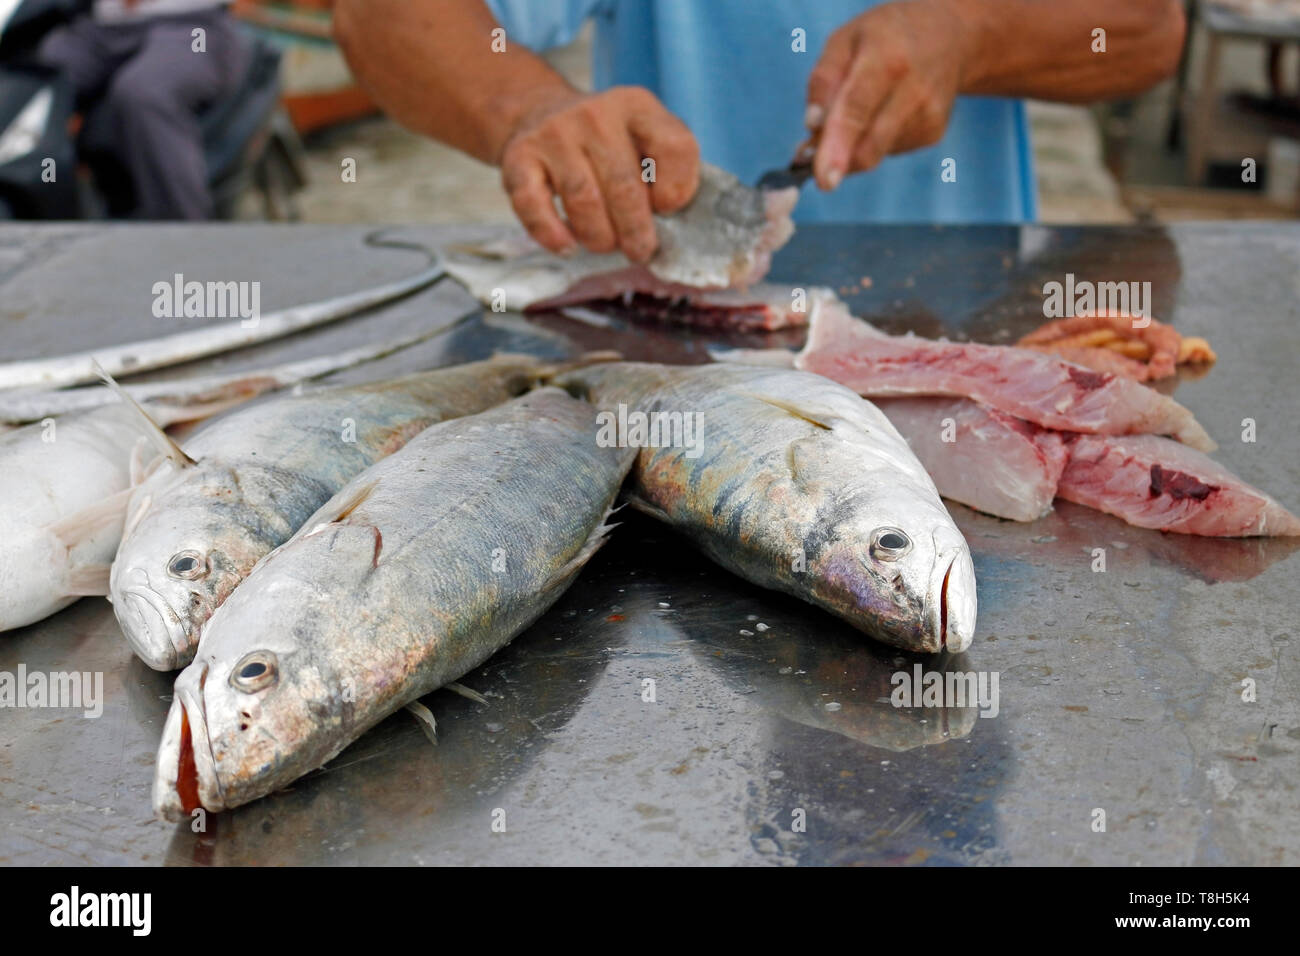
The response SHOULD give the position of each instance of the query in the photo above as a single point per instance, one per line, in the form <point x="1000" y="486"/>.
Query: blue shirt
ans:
<point x="727" y="68"/>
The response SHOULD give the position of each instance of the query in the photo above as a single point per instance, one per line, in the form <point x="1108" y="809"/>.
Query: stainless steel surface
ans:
<point x="1119" y="690"/>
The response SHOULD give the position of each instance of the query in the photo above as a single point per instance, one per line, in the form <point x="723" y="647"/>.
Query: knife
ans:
<point x="797" y="173"/>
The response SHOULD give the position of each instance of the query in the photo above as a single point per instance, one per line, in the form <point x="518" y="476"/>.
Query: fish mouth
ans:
<point x="185" y="777"/>
<point x="951" y="606"/>
<point x="154" y="630"/>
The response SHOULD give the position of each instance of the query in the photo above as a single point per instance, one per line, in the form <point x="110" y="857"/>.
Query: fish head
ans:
<point x="272" y="690"/>
<point x="898" y="566"/>
<point x="186" y="547"/>
<point x="230" y="737"/>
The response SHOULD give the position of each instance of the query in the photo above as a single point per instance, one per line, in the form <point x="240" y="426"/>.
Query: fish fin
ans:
<point x="812" y="416"/>
<point x="345" y="507"/>
<point x="134" y="518"/>
<point x="427" y="722"/>
<point x="801" y="457"/>
<point x="350" y="537"/>
<point x="176" y="412"/>
<point x="89" y="580"/>
<point x="653" y="511"/>
<point x="142" y="466"/>
<point x="354" y="501"/>
<point x="594" y="542"/>
<point x="159" y="438"/>
<point x="551" y="370"/>
<point x="90" y="521"/>
<point x="464" y="691"/>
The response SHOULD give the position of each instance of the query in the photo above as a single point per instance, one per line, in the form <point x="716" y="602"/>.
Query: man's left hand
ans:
<point x="885" y="84"/>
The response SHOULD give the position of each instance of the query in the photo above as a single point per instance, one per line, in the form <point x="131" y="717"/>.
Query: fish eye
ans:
<point x="254" y="672"/>
<point x="187" y="565"/>
<point x="889" y="544"/>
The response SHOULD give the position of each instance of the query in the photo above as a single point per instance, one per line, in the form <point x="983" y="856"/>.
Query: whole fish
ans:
<point x="794" y="483"/>
<point x="711" y="251"/>
<point x="64" y="485"/>
<point x="419" y="570"/>
<point x="1037" y="387"/>
<point x="186" y="346"/>
<point x="243" y="485"/>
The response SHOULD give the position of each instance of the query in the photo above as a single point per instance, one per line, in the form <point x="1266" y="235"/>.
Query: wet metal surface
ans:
<point x="1118" y="690"/>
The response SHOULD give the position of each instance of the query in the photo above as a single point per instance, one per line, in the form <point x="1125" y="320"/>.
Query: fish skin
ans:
<point x="44" y="483"/>
<point x="725" y="236"/>
<point x="722" y="240"/>
<point x="405" y="594"/>
<point x="260" y="473"/>
<point x="1031" y="385"/>
<point x="992" y="462"/>
<point x="1192" y="494"/>
<point x="790" y="460"/>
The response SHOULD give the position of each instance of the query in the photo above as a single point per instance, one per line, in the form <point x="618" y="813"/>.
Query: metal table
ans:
<point x="1119" y="691"/>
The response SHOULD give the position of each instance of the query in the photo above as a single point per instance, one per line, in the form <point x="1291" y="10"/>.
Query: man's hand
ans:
<point x="885" y="84"/>
<point x="588" y="150"/>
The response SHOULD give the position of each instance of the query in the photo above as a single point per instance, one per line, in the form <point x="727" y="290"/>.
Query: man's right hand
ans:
<point x="588" y="150"/>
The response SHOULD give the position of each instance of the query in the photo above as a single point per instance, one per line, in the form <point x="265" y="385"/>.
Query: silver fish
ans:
<point x="203" y="518"/>
<point x="418" y="571"/>
<point x="797" y="484"/>
<point x="186" y="346"/>
<point x="64" y="483"/>
<point x="722" y="240"/>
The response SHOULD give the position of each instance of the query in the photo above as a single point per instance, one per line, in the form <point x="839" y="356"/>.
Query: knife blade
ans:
<point x="797" y="173"/>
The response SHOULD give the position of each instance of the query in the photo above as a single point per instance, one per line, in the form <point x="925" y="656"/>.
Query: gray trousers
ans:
<point x="152" y="82"/>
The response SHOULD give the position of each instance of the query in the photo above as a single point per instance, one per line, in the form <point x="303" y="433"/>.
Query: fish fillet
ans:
<point x="1153" y="482"/>
<point x="983" y="458"/>
<point x="1031" y="385"/>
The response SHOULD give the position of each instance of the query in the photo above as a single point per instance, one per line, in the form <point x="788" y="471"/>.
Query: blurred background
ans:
<point x="1221" y="140"/>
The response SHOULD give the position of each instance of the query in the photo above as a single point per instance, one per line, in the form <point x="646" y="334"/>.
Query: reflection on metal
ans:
<point x="1119" y="689"/>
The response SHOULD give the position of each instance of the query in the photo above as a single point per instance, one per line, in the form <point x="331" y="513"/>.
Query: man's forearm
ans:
<point x="1044" y="48"/>
<point x="430" y="64"/>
